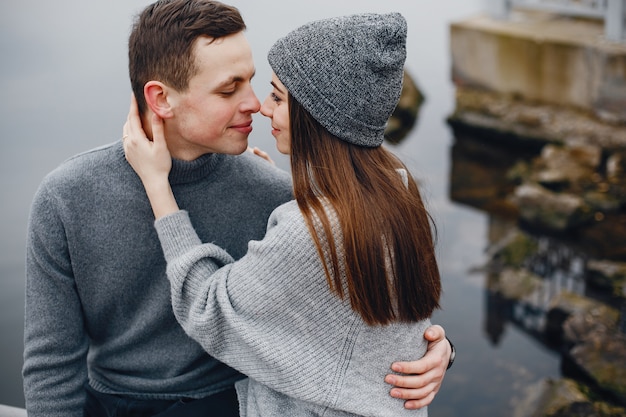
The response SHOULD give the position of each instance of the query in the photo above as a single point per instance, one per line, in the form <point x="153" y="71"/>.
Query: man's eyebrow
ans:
<point x="276" y="87"/>
<point x="234" y="79"/>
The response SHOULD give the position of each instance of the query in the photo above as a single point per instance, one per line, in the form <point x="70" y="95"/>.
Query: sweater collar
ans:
<point x="184" y="172"/>
<point x="190" y="171"/>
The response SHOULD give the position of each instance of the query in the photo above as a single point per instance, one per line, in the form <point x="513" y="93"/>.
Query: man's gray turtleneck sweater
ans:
<point x="97" y="298"/>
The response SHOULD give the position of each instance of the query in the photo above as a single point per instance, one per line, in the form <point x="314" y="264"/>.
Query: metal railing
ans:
<point x="613" y="12"/>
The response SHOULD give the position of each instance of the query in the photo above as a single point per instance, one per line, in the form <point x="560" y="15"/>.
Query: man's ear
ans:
<point x="156" y="94"/>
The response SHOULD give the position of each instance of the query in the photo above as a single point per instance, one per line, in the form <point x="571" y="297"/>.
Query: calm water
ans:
<point x="65" y="90"/>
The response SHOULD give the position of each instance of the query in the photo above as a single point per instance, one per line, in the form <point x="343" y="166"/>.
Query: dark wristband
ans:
<point x="452" y="354"/>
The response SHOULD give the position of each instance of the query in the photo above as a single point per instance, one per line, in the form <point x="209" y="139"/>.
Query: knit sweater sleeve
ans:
<point x="55" y="345"/>
<point x="269" y="314"/>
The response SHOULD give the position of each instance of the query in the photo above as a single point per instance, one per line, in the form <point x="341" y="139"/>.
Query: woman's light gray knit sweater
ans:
<point x="272" y="316"/>
<point x="97" y="298"/>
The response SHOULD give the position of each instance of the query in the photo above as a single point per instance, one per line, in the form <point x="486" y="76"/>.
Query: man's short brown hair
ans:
<point x="160" y="46"/>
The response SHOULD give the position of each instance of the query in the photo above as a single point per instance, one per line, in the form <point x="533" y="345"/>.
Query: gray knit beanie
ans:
<point x="346" y="72"/>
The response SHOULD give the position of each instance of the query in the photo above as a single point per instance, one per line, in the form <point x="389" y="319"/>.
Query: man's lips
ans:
<point x="243" y="127"/>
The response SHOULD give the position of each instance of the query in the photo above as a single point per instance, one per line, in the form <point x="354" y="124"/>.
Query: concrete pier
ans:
<point x="542" y="57"/>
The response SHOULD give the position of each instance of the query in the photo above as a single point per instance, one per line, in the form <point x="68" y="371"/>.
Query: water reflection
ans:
<point x="559" y="267"/>
<point x="541" y="281"/>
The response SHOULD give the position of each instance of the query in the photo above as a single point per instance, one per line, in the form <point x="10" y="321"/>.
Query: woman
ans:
<point x="346" y="273"/>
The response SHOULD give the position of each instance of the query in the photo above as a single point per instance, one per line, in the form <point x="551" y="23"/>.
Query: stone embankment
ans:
<point x="540" y="128"/>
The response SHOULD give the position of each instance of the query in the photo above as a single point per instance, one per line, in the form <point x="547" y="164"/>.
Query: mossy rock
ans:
<point x="516" y="250"/>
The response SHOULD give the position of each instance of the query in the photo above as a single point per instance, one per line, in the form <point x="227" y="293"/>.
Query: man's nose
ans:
<point x="251" y="103"/>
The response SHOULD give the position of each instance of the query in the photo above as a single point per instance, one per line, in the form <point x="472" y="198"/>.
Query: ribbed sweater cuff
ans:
<point x="176" y="234"/>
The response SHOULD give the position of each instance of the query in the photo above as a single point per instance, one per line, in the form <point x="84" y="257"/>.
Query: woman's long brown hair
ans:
<point x="385" y="262"/>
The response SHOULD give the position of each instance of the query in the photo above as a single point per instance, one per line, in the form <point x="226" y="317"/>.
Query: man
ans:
<point x="100" y="335"/>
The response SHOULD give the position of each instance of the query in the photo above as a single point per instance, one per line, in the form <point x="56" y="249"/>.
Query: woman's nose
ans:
<point x="266" y="108"/>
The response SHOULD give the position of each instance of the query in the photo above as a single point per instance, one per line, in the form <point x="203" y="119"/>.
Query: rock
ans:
<point x="514" y="247"/>
<point x="604" y="361"/>
<point x="549" y="397"/>
<point x="602" y="201"/>
<point x="583" y="318"/>
<point x="405" y="115"/>
<point x="560" y="309"/>
<point x="598" y="347"/>
<point x="542" y="208"/>
<point x="563" y="398"/>
<point x="605" y="238"/>
<point x="616" y="167"/>
<point x="492" y="112"/>
<point x="607" y="275"/>
<point x="566" y="165"/>
<point x="516" y="284"/>
<point x="591" y="324"/>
